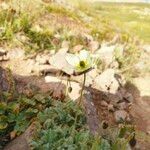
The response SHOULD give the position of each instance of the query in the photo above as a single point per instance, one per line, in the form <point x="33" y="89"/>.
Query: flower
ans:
<point x="81" y="61"/>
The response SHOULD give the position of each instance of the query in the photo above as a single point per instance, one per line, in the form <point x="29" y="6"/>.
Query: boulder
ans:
<point x="16" y="53"/>
<point x="107" y="82"/>
<point x="106" y="54"/>
<point x="120" y="116"/>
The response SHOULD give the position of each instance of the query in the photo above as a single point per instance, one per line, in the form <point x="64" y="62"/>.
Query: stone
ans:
<point x="51" y="79"/>
<point x="122" y="106"/>
<point x="114" y="65"/>
<point x="93" y="120"/>
<point x="129" y="97"/>
<point x="42" y="59"/>
<point x="87" y="37"/>
<point x="106" y="82"/>
<point x="6" y="81"/>
<point x="143" y="85"/>
<point x="120" y="115"/>
<point x="2" y="52"/>
<point x="111" y="108"/>
<point x="90" y="76"/>
<point x="75" y="92"/>
<point x="106" y="54"/>
<point x="58" y="60"/>
<point x="104" y="103"/>
<point x="16" y="53"/>
<point x="22" y="141"/>
<point x="146" y="48"/>
<point x="93" y="45"/>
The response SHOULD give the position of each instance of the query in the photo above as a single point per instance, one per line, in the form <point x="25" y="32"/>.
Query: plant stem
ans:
<point x="80" y="100"/>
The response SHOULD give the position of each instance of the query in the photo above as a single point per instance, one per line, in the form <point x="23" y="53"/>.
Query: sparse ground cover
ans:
<point x="35" y="36"/>
<point x="132" y="18"/>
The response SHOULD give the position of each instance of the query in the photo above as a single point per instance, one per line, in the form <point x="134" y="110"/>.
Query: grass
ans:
<point x="129" y="18"/>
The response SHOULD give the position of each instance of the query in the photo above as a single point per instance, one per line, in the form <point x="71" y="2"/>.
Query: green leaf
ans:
<point x="28" y="101"/>
<point x="3" y="125"/>
<point x="105" y="145"/>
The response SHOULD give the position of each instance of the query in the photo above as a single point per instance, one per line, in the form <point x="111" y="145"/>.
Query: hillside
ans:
<point x="74" y="75"/>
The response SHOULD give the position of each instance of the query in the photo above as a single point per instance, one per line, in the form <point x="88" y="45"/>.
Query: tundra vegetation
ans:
<point x="45" y="28"/>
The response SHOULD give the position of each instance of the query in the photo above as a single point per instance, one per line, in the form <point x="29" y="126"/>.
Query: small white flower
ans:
<point x="81" y="61"/>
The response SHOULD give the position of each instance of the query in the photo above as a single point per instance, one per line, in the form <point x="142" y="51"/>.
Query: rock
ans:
<point x="122" y="106"/>
<point x="75" y="92"/>
<point x="93" y="46"/>
<point x="6" y="81"/>
<point x="22" y="141"/>
<point x="2" y="52"/>
<point x="42" y="59"/>
<point x="77" y="48"/>
<point x="146" y="48"/>
<point x="58" y="91"/>
<point x="93" y="120"/>
<point x="107" y="82"/>
<point x="58" y="60"/>
<point x="51" y="79"/>
<point x="87" y="37"/>
<point x="41" y="69"/>
<point x="104" y="103"/>
<point x="114" y="65"/>
<point x="106" y="54"/>
<point x="120" y="116"/>
<point x="143" y="85"/>
<point x="90" y="76"/>
<point x="128" y="97"/>
<point x="111" y="108"/>
<point x="16" y="53"/>
<point x="4" y="58"/>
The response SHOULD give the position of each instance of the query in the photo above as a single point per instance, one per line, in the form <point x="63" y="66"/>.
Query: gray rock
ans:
<point x="122" y="105"/>
<point x="104" y="103"/>
<point x="43" y="59"/>
<point x="107" y="82"/>
<point x="129" y="97"/>
<point x="111" y="108"/>
<point x="16" y="53"/>
<point x="75" y="92"/>
<point x="22" y="141"/>
<point x="2" y="52"/>
<point x="120" y="115"/>
<point x="146" y="48"/>
<point x="106" y="54"/>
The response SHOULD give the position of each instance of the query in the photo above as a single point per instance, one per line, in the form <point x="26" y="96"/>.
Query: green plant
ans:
<point x="17" y="115"/>
<point x="57" y="128"/>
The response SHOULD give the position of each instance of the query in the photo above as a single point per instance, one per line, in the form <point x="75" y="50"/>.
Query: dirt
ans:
<point x="57" y="20"/>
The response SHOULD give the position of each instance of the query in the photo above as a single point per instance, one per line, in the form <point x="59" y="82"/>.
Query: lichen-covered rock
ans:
<point x="7" y="83"/>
